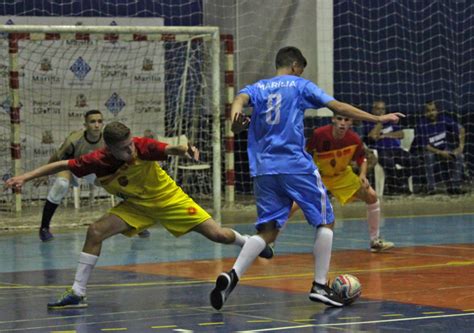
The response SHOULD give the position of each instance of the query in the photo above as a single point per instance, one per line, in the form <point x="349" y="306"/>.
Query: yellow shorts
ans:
<point x="178" y="217"/>
<point x="343" y="186"/>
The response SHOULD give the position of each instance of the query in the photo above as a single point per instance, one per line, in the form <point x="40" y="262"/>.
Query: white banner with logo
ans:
<point x="60" y="80"/>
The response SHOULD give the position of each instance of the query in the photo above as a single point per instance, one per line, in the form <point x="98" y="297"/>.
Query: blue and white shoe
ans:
<point x="225" y="283"/>
<point x="68" y="300"/>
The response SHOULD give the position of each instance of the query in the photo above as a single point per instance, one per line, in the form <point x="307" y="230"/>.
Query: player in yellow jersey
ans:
<point x="77" y="143"/>
<point x="127" y="167"/>
<point x="334" y="147"/>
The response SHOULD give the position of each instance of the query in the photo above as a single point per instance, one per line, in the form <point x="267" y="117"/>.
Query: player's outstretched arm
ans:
<point x="188" y="151"/>
<point x="47" y="169"/>
<point x="239" y="121"/>
<point x="350" y="111"/>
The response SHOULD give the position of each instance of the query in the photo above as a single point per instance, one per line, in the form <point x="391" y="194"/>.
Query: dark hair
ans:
<point x="286" y="56"/>
<point x="91" y="112"/>
<point x="115" y="132"/>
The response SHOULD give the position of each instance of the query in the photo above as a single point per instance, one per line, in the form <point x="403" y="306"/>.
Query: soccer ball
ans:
<point x="347" y="287"/>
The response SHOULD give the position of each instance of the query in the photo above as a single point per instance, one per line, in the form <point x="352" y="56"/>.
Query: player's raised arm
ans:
<point x="348" y="110"/>
<point x="239" y="120"/>
<point x="45" y="170"/>
<point x="189" y="151"/>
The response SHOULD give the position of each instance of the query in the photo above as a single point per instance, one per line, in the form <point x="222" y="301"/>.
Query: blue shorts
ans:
<point x="275" y="195"/>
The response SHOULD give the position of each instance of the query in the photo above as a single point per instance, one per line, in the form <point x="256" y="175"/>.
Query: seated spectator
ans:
<point x="441" y="140"/>
<point x="385" y="138"/>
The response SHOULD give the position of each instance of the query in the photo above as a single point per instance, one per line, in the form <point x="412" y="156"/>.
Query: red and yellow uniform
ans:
<point x="149" y="194"/>
<point x="333" y="157"/>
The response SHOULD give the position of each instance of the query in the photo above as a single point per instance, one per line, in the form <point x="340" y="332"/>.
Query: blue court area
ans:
<point x="162" y="284"/>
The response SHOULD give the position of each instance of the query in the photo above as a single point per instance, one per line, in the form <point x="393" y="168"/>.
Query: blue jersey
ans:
<point x="443" y="134"/>
<point x="276" y="143"/>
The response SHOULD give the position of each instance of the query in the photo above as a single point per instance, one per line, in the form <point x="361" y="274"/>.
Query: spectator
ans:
<point x="385" y="138"/>
<point x="441" y="140"/>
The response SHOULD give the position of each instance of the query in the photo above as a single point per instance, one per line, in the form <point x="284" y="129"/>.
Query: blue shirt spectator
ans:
<point x="385" y="138"/>
<point x="441" y="140"/>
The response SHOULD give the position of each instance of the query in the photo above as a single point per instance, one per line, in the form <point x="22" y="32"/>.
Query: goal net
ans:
<point x="407" y="54"/>
<point x="160" y="80"/>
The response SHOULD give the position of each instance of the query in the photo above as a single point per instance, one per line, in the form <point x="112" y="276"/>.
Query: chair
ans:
<point x="408" y="137"/>
<point x="189" y="169"/>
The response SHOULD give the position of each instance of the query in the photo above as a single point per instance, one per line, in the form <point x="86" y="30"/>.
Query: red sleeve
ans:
<point x="359" y="154"/>
<point x="98" y="162"/>
<point x="311" y="145"/>
<point x="150" y="149"/>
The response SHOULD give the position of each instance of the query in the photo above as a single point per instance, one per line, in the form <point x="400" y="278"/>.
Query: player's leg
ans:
<point x="455" y="181"/>
<point x="430" y="160"/>
<point x="55" y="196"/>
<point x="105" y="227"/>
<point x="254" y="246"/>
<point x="212" y="231"/>
<point x="369" y="196"/>
<point x="311" y="196"/>
<point x="273" y="209"/>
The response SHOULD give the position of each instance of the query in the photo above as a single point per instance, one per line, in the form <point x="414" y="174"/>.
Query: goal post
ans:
<point x="134" y="74"/>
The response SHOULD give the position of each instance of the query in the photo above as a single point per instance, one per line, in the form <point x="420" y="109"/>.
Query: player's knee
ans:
<point x="371" y="196"/>
<point x="268" y="235"/>
<point x="329" y="226"/>
<point x="94" y="233"/>
<point x="58" y="190"/>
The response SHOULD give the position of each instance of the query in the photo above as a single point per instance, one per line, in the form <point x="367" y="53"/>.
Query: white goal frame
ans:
<point x="67" y="32"/>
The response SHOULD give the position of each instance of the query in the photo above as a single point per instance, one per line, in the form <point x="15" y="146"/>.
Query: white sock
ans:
<point x="373" y="219"/>
<point x="84" y="268"/>
<point x="239" y="239"/>
<point x="252" y="248"/>
<point x="322" y="254"/>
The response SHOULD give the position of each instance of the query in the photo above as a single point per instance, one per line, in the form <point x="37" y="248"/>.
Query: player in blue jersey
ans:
<point x="282" y="171"/>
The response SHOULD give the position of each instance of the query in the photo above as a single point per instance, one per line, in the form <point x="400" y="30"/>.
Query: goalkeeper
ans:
<point x="76" y="144"/>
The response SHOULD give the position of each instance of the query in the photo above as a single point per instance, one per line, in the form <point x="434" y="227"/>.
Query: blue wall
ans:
<point x="175" y="12"/>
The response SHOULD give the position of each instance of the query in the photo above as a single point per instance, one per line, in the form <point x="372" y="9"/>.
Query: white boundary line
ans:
<point x="359" y="322"/>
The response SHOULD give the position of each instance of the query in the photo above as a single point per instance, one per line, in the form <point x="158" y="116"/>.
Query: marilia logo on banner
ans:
<point x="148" y="75"/>
<point x="115" y="104"/>
<point x="81" y="101"/>
<point x="45" y="77"/>
<point x="77" y="112"/>
<point x="47" y="137"/>
<point x="45" y="65"/>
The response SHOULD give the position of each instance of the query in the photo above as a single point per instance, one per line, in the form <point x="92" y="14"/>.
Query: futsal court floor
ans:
<point x="162" y="284"/>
